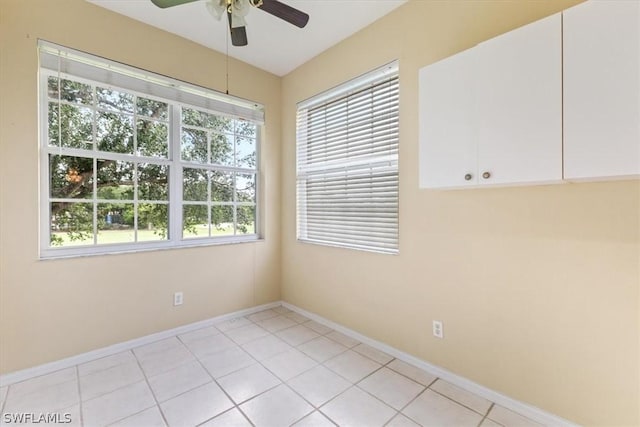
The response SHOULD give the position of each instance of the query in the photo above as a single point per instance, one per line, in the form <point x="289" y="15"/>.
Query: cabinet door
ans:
<point x="520" y="105"/>
<point x="447" y="122"/>
<point x="602" y="89"/>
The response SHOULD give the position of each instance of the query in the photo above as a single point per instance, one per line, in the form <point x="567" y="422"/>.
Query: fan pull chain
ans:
<point x="227" y="61"/>
<point x="59" y="103"/>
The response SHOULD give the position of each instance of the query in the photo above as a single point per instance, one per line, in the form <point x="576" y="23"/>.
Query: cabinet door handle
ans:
<point x="486" y="175"/>
<point x="468" y="177"/>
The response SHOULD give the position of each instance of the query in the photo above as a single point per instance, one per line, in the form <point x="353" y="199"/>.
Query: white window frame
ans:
<point x="344" y="175"/>
<point x="54" y="59"/>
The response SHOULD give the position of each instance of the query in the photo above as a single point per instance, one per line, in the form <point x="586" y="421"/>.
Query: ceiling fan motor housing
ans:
<point x="236" y="10"/>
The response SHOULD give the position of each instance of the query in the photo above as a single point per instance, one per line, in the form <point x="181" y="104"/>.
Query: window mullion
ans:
<point x="175" y="175"/>
<point x="259" y="194"/>
<point x="209" y="202"/>
<point x="94" y="172"/>
<point x="209" y="186"/>
<point x="94" y="198"/>
<point x="136" y="186"/>
<point x="234" y="180"/>
<point x="234" y="176"/>
<point x="45" y="204"/>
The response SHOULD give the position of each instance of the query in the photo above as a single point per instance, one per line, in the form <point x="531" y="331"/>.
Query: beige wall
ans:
<point x="54" y="309"/>
<point x="538" y="287"/>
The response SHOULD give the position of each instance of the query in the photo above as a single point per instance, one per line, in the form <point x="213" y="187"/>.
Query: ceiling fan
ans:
<point x="236" y="10"/>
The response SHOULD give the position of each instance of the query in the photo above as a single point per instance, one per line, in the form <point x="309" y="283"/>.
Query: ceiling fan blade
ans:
<point x="238" y="34"/>
<point x="170" y="3"/>
<point x="285" y="12"/>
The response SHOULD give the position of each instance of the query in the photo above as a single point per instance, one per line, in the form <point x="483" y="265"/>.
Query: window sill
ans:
<point x="350" y="247"/>
<point x="125" y="249"/>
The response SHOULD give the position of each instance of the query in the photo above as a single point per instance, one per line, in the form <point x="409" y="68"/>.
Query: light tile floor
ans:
<point x="274" y="368"/>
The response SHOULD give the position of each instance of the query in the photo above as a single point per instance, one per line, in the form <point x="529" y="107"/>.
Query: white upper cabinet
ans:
<point x="602" y="90"/>
<point x="492" y="115"/>
<point x="519" y="99"/>
<point x="448" y="142"/>
<point x="558" y="99"/>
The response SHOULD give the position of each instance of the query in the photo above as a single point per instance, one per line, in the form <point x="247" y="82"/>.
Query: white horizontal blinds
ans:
<point x="347" y="164"/>
<point x="64" y="60"/>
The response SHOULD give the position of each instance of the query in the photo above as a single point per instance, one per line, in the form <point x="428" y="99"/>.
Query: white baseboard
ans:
<point x="527" y="410"/>
<point x="68" y="362"/>
<point x="524" y="409"/>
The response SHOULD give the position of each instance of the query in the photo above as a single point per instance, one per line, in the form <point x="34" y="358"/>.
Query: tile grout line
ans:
<point x="225" y="412"/>
<point x="371" y="358"/>
<point x="408" y="377"/>
<point x="429" y="387"/>
<point x="347" y="379"/>
<point x="281" y="382"/>
<point x="404" y="407"/>
<point x="213" y="380"/>
<point x="398" y="411"/>
<point x="286" y="383"/>
<point x="79" y="395"/>
<point x="128" y="416"/>
<point x="356" y="386"/>
<point x="460" y="403"/>
<point x="246" y="417"/>
<point x="96" y="372"/>
<point x="419" y="394"/>
<point x="426" y="387"/>
<point x="28" y="394"/>
<point x="487" y="414"/>
<point x="259" y="362"/>
<point x="164" y="371"/>
<point x="318" y="362"/>
<point x="146" y="380"/>
<point x="375" y="397"/>
<point x="106" y="369"/>
<point x="299" y="344"/>
<point x="6" y="397"/>
<point x="313" y="407"/>
<point x="237" y="405"/>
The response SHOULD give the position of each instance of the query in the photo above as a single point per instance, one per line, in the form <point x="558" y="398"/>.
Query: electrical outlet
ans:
<point x="177" y="298"/>
<point x="438" y="330"/>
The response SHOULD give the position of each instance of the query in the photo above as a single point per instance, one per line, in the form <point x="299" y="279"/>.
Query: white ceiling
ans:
<point x="274" y="45"/>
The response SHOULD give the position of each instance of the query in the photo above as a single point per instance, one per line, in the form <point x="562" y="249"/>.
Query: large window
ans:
<point x="347" y="164"/>
<point x="127" y="163"/>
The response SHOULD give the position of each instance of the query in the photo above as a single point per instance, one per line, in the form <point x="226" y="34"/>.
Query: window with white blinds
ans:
<point x="347" y="164"/>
